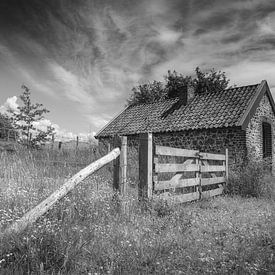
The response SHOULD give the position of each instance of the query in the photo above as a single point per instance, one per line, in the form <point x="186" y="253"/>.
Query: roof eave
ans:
<point x="97" y="135"/>
<point x="252" y="107"/>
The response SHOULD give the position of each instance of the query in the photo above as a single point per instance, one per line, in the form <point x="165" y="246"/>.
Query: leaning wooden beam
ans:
<point x="31" y="216"/>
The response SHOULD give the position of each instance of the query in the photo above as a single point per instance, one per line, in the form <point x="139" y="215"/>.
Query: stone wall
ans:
<point x="254" y="136"/>
<point x="214" y="140"/>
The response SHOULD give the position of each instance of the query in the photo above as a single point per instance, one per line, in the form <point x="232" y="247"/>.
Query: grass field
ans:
<point x="87" y="233"/>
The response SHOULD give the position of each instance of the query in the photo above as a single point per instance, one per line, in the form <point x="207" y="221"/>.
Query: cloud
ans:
<point x="10" y="105"/>
<point x="92" y="53"/>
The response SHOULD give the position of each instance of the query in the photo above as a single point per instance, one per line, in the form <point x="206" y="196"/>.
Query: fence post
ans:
<point x="77" y="140"/>
<point x="52" y="141"/>
<point x="145" y="166"/>
<point x="123" y="166"/>
<point x="226" y="164"/>
<point x="120" y="165"/>
<point x="198" y="176"/>
<point x="116" y="165"/>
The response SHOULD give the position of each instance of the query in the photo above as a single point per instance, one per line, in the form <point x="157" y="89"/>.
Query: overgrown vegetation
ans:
<point x="251" y="180"/>
<point x="87" y="233"/>
<point x="174" y="83"/>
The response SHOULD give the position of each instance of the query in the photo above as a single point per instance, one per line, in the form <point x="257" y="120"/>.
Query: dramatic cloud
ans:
<point x="91" y="53"/>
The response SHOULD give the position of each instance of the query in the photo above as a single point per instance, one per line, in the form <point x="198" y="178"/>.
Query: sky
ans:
<point x="82" y="58"/>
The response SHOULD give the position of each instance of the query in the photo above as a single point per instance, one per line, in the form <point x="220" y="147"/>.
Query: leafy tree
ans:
<point x="173" y="86"/>
<point x="25" y="118"/>
<point x="209" y="81"/>
<point x="147" y="93"/>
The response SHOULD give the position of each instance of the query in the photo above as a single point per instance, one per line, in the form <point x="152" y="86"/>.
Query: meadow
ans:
<point x="88" y="233"/>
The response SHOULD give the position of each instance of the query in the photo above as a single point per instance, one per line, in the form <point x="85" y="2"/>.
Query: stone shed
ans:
<point x="241" y="119"/>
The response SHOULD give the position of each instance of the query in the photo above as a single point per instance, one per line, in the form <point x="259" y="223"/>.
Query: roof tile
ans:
<point x="213" y="109"/>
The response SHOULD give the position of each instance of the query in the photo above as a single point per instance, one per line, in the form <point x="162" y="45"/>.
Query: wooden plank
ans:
<point x="179" y="183"/>
<point x="181" y="198"/>
<point x="209" y="181"/>
<point x="174" y="167"/>
<point x="178" y="152"/>
<point x="212" y="156"/>
<point x="212" y="168"/>
<point x="145" y="166"/>
<point x="212" y="193"/>
<point x="31" y="216"/>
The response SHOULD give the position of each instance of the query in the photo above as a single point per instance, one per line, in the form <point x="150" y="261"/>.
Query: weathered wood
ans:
<point x="209" y="181"/>
<point x="226" y="164"/>
<point x="145" y="165"/>
<point x="116" y="164"/>
<point x="123" y="166"/>
<point x="212" y="156"/>
<point x="170" y="151"/>
<point x="176" y="183"/>
<point x="212" y="168"/>
<point x="212" y="193"/>
<point x="181" y="198"/>
<point x="174" y="167"/>
<point x="31" y="216"/>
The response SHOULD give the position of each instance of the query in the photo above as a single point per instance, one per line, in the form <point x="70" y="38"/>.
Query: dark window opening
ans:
<point x="267" y="140"/>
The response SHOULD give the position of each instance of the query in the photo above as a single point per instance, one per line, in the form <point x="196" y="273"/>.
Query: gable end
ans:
<point x="254" y="104"/>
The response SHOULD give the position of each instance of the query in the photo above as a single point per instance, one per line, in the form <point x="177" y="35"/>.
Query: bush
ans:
<point x="252" y="180"/>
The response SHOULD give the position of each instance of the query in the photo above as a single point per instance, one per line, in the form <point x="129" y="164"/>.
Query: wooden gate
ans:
<point x="179" y="175"/>
<point x="184" y="175"/>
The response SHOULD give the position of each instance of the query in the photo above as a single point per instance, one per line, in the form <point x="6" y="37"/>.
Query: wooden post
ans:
<point x="123" y="166"/>
<point x="116" y="166"/>
<point x="145" y="166"/>
<point x="52" y="141"/>
<point x="120" y="165"/>
<point x="31" y="216"/>
<point x="108" y="147"/>
<point x="226" y="164"/>
<point x="198" y="176"/>
<point x="77" y="140"/>
<point x="59" y="145"/>
<point x="8" y="134"/>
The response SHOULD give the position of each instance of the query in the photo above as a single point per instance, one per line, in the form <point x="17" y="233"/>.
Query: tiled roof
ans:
<point x="210" y="110"/>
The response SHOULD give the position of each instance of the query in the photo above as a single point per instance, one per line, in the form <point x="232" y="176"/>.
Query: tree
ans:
<point x="147" y="93"/>
<point x="210" y="81"/>
<point x="173" y="86"/>
<point x="25" y="119"/>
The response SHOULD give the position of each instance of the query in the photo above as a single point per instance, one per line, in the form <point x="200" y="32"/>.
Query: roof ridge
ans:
<point x="238" y="87"/>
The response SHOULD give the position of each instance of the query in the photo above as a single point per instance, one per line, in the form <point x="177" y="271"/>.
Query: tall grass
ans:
<point x="87" y="233"/>
<point x="251" y="180"/>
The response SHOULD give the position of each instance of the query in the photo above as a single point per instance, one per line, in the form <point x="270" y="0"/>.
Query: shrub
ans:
<point x="251" y="180"/>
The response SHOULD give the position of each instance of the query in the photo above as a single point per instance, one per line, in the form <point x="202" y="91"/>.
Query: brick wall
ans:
<point x="254" y="136"/>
